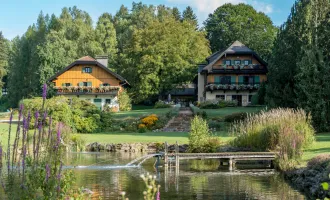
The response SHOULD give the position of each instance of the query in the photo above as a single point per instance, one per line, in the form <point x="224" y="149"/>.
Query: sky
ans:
<point x="17" y="15"/>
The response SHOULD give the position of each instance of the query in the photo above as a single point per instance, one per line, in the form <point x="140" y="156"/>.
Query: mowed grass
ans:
<point x="321" y="146"/>
<point x="122" y="137"/>
<point x="222" y="112"/>
<point x="141" y="111"/>
<point x="4" y="134"/>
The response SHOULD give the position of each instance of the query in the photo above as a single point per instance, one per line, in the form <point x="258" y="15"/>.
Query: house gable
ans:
<point x="99" y="74"/>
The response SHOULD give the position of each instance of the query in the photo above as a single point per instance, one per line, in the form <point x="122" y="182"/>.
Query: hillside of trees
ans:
<point x="157" y="47"/>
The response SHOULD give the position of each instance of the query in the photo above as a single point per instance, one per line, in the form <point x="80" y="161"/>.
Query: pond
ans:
<point x="197" y="179"/>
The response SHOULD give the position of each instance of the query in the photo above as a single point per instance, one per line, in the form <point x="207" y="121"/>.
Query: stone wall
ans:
<point x="132" y="147"/>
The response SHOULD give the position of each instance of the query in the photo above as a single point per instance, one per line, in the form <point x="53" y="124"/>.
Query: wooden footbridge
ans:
<point x="226" y="158"/>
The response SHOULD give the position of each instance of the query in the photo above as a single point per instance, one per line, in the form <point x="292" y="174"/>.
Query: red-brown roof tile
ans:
<point x="86" y="58"/>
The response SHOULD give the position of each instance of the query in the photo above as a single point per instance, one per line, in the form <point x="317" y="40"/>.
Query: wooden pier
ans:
<point x="227" y="159"/>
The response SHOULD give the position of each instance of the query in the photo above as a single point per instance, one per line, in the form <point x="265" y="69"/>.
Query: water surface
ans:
<point x="101" y="173"/>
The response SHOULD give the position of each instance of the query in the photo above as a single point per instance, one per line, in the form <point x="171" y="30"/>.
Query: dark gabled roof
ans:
<point x="235" y="48"/>
<point x="87" y="60"/>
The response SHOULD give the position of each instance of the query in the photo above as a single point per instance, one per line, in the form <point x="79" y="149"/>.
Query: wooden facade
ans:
<point x="75" y="75"/>
<point x="89" y="79"/>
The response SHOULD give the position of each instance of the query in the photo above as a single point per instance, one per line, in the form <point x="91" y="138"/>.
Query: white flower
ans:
<point x="123" y="193"/>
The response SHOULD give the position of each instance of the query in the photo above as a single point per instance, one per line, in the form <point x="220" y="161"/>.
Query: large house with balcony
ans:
<point x="234" y="73"/>
<point x="90" y="79"/>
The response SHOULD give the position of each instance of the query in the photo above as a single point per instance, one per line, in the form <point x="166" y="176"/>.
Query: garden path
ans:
<point x="180" y="123"/>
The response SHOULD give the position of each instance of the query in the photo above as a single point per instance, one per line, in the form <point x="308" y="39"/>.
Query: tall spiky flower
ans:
<point x="36" y="118"/>
<point x="44" y="92"/>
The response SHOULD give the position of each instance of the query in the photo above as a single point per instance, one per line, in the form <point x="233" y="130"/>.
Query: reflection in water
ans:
<point x="196" y="179"/>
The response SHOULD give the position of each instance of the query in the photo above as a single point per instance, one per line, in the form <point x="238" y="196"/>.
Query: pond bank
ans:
<point x="132" y="147"/>
<point x="309" y="179"/>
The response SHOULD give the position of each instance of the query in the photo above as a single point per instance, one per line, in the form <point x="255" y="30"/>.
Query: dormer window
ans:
<point x="247" y="62"/>
<point x="227" y="62"/>
<point x="237" y="62"/>
<point x="87" y="70"/>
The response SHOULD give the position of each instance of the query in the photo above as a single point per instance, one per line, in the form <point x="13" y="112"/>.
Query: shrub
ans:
<point x="209" y="105"/>
<point x="106" y="120"/>
<point x="77" y="143"/>
<point x="199" y="135"/>
<point x="125" y="102"/>
<point x="212" y="145"/>
<point x="235" y="117"/>
<point x="162" y="104"/>
<point x="142" y="128"/>
<point x="214" y="125"/>
<point x="150" y="120"/>
<point x="287" y="131"/>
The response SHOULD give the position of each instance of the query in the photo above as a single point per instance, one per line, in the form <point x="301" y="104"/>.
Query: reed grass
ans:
<point x="286" y="131"/>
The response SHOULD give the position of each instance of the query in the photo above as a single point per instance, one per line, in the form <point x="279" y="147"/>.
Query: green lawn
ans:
<point x="170" y="137"/>
<point x="4" y="134"/>
<point x="139" y="113"/>
<point x="321" y="146"/>
<point x="230" y="110"/>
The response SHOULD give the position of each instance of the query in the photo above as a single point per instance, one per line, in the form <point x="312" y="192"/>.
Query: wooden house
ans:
<point x="234" y="73"/>
<point x="90" y="79"/>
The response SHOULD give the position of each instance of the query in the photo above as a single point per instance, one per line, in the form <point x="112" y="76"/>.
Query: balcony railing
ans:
<point x="85" y="89"/>
<point x="211" y="86"/>
<point x="238" y="67"/>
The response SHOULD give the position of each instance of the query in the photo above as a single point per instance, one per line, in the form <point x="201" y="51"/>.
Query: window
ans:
<point x="237" y="62"/>
<point x="66" y="84"/>
<point x="227" y="62"/>
<point x="248" y="80"/>
<point x="222" y="80"/>
<point x="234" y="97"/>
<point x="105" y="84"/>
<point x="247" y="62"/>
<point x="108" y="101"/>
<point x="220" y="97"/>
<point x="85" y="84"/>
<point x="87" y="70"/>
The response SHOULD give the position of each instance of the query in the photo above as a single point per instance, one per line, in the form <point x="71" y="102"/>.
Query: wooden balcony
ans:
<point x="239" y="69"/>
<point x="79" y="90"/>
<point x="211" y="86"/>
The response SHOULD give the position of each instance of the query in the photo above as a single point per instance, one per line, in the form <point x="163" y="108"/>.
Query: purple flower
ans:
<point x="44" y="91"/>
<point x="21" y="107"/>
<point x="47" y="172"/>
<point x="36" y="116"/>
<point x="158" y="195"/>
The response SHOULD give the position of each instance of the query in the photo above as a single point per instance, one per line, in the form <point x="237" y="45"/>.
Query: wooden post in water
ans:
<point x="166" y="154"/>
<point x="177" y="161"/>
<point x="230" y="164"/>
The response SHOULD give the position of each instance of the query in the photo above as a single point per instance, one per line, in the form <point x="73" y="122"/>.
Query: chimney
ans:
<point x="103" y="59"/>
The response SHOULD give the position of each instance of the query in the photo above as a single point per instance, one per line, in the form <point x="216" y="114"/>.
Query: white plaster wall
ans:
<point x="201" y="87"/>
<point x="228" y="95"/>
<point x="90" y="98"/>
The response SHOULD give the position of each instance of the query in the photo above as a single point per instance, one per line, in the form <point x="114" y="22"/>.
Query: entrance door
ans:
<point x="239" y="100"/>
<point x="98" y="103"/>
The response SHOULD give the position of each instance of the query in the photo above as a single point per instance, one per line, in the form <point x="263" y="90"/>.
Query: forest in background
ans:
<point x="156" y="48"/>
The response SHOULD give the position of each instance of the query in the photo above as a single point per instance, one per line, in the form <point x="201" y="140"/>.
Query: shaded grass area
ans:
<point x="222" y="112"/>
<point x="139" y="113"/>
<point x="122" y="137"/>
<point x="321" y="146"/>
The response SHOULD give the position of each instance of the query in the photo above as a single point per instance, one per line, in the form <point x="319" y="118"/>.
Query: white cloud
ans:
<point x="262" y="7"/>
<point x="205" y="7"/>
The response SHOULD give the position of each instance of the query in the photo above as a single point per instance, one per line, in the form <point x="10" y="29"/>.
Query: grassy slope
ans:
<point x="321" y="146"/>
<point x="140" y="113"/>
<point x="230" y="110"/>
